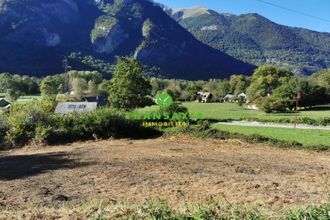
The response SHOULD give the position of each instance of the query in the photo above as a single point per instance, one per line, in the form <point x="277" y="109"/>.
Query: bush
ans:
<point x="203" y="125"/>
<point x="22" y="124"/>
<point x="272" y="104"/>
<point x="325" y="121"/>
<point x="25" y="120"/>
<point x="174" y="108"/>
<point x="241" y="100"/>
<point x="35" y="124"/>
<point x="103" y="123"/>
<point x="3" y="129"/>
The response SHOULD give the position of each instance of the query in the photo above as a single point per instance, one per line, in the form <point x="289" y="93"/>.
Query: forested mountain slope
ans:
<point x="257" y="40"/>
<point x="36" y="36"/>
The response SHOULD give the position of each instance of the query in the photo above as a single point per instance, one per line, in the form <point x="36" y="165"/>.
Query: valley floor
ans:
<point x="177" y="169"/>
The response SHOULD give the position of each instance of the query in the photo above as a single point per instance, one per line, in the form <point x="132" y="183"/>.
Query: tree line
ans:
<point x="272" y="88"/>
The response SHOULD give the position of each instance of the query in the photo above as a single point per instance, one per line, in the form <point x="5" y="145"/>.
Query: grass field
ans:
<point x="305" y="137"/>
<point x="25" y="98"/>
<point x="28" y="98"/>
<point x="231" y="111"/>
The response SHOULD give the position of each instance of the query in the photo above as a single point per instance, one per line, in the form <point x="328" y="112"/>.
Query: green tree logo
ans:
<point x="164" y="100"/>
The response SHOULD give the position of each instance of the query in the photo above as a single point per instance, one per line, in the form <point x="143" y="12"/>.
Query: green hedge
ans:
<point x="37" y="122"/>
<point x="103" y="123"/>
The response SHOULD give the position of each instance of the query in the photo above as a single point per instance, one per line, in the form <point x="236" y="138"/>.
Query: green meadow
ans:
<point x="305" y="137"/>
<point x="231" y="111"/>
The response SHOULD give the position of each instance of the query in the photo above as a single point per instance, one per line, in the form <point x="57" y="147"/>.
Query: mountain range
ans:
<point x="198" y="43"/>
<point x="36" y="36"/>
<point x="257" y="40"/>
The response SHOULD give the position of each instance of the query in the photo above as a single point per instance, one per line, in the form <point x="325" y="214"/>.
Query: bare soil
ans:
<point x="178" y="169"/>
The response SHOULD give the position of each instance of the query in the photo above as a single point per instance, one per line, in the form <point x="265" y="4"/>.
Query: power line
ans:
<point x="293" y="10"/>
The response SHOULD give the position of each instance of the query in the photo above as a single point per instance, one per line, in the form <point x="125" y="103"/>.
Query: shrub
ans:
<point x="25" y="121"/>
<point x="45" y="127"/>
<point x="3" y="129"/>
<point x="203" y="125"/>
<point x="325" y="121"/>
<point x="103" y="123"/>
<point x="174" y="108"/>
<point x="272" y="104"/>
<point x="241" y="100"/>
<point x="22" y="123"/>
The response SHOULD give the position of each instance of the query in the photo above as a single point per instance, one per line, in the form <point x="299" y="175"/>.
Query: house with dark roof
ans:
<point x="204" y="97"/>
<point x="4" y="104"/>
<point x="101" y="100"/>
<point x="229" y="98"/>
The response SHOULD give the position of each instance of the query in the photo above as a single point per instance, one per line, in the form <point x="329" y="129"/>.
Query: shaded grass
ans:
<point x="305" y="137"/>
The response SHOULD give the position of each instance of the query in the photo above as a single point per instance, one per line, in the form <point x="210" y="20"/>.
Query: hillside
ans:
<point x="37" y="35"/>
<point x="257" y="40"/>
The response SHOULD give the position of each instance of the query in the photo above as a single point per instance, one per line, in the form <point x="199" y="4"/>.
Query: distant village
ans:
<point x="90" y="103"/>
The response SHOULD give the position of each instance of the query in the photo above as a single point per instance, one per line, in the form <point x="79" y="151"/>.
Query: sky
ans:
<point x="315" y="8"/>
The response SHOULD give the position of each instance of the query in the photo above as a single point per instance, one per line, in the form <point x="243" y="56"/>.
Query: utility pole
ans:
<point x="66" y="75"/>
<point x="298" y="97"/>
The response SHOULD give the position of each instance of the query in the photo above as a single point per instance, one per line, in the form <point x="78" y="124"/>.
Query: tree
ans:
<point x="273" y="104"/>
<point x="311" y="95"/>
<point x="49" y="86"/>
<point x="92" y="88"/>
<point x="94" y="76"/>
<point x="158" y="85"/>
<point x="322" y="79"/>
<point x="224" y="88"/>
<point x="238" y="84"/>
<point x="103" y="88"/>
<point x="21" y="84"/>
<point x="79" y="86"/>
<point x="12" y="95"/>
<point x="192" y="90"/>
<point x="266" y="79"/>
<point x="129" y="88"/>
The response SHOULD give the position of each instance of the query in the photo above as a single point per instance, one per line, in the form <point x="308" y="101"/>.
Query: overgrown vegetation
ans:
<point x="14" y="86"/>
<point x="159" y="209"/>
<point x="36" y="122"/>
<point x="3" y="129"/>
<point x="130" y="88"/>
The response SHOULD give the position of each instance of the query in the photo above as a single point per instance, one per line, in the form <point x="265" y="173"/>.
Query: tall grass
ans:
<point x="161" y="210"/>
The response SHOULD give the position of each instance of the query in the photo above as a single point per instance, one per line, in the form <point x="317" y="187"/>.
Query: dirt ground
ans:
<point x="178" y="169"/>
